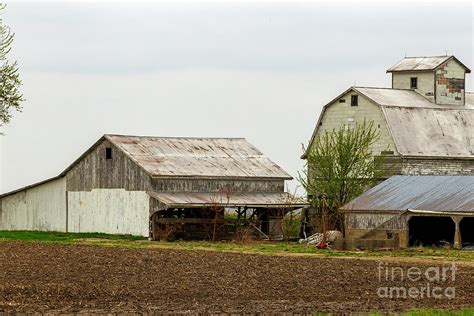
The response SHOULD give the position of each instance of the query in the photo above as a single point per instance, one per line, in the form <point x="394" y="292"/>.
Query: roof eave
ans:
<point x="190" y="177"/>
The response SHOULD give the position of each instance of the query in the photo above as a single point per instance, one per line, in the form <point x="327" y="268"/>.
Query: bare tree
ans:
<point x="10" y="95"/>
<point x="340" y="166"/>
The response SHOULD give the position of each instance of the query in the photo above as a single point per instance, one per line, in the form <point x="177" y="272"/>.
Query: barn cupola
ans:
<point x="440" y="79"/>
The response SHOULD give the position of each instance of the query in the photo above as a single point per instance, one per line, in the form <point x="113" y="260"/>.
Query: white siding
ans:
<point x="340" y="114"/>
<point x="42" y="207"/>
<point x="426" y="82"/>
<point x="111" y="211"/>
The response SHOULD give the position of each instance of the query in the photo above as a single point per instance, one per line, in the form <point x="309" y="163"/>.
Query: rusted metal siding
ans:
<point x="94" y="171"/>
<point x="111" y="211"/>
<point x="42" y="207"/>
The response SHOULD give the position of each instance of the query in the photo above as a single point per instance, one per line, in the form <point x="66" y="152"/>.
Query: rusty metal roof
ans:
<point x="200" y="199"/>
<point x="431" y="132"/>
<point x="424" y="193"/>
<point x="422" y="63"/>
<point x="198" y="157"/>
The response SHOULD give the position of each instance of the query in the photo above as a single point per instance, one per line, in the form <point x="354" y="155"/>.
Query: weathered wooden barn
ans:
<point x="425" y="120"/>
<point x="417" y="210"/>
<point x="156" y="187"/>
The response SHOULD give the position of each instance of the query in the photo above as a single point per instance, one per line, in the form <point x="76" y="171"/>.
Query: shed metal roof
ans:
<point x="396" y="97"/>
<point x="424" y="193"/>
<point x="198" y="157"/>
<point x="199" y="199"/>
<point x="422" y="63"/>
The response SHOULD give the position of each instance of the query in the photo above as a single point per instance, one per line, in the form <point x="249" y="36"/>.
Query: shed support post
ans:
<point x="457" y="232"/>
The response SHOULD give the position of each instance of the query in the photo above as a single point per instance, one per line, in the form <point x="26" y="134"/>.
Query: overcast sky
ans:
<point x="261" y="71"/>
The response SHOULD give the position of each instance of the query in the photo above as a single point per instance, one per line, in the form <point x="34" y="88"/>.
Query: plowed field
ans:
<point x="47" y="277"/>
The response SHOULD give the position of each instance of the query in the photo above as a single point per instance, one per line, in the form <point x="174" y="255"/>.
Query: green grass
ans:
<point x="60" y="237"/>
<point x="261" y="247"/>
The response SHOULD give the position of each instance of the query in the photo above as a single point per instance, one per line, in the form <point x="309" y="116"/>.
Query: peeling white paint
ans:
<point x="111" y="211"/>
<point x="41" y="207"/>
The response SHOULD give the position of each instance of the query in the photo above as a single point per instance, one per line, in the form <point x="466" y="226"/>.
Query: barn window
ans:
<point x="354" y="100"/>
<point x="108" y="153"/>
<point x="342" y="100"/>
<point x="413" y="83"/>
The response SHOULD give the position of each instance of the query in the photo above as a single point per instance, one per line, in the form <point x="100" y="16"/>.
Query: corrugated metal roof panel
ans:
<point x="194" y="199"/>
<point x="428" y="193"/>
<point x="418" y="63"/>
<point x="431" y="132"/>
<point x="198" y="157"/>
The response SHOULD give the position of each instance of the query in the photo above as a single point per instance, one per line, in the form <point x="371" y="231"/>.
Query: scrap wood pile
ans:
<point x="319" y="240"/>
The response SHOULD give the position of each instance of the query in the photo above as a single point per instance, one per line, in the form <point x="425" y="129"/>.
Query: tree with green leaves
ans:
<point x="340" y="166"/>
<point x="10" y="95"/>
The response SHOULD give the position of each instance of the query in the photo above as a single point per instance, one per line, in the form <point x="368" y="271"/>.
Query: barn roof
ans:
<point x="407" y="98"/>
<point x="252" y="199"/>
<point x="422" y="63"/>
<point x="198" y="157"/>
<point x="420" y="127"/>
<point x="418" y="193"/>
<point x="431" y="132"/>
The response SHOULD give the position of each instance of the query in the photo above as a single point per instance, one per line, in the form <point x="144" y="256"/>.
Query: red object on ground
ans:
<point x="322" y="245"/>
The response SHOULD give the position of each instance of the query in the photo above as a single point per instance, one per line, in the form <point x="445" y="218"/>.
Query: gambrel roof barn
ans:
<point x="426" y="127"/>
<point x="425" y="121"/>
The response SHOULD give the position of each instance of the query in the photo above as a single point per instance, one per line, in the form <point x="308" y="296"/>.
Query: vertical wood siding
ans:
<point x="96" y="172"/>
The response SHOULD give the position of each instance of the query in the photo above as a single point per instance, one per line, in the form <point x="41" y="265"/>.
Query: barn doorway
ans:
<point x="467" y="231"/>
<point x="430" y="231"/>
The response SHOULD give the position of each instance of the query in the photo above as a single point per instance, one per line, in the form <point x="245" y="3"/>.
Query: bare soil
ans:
<point x="57" y="278"/>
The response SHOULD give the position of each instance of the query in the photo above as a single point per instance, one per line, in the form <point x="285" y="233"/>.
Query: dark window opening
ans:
<point x="456" y="84"/>
<point x="342" y="100"/>
<point x="108" y="153"/>
<point x="354" y="100"/>
<point x="431" y="231"/>
<point x="413" y="83"/>
<point x="467" y="231"/>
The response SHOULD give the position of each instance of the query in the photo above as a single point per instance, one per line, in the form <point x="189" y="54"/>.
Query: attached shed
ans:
<point x="420" y="210"/>
<point x="156" y="187"/>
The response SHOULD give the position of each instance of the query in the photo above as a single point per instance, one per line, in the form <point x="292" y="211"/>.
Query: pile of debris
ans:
<point x="319" y="240"/>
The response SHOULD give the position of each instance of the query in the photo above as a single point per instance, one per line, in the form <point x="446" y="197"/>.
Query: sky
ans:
<point x="259" y="70"/>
